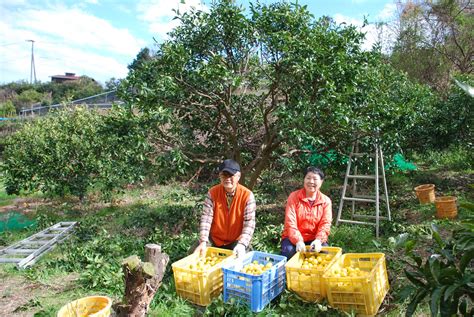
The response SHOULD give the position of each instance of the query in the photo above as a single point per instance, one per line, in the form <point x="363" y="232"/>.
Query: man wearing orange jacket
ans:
<point x="228" y="218"/>
<point x="308" y="216"/>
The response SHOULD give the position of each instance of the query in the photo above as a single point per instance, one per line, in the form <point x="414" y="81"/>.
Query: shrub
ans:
<point x="74" y="150"/>
<point x="446" y="275"/>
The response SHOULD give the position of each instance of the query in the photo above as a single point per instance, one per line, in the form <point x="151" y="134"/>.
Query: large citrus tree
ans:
<point x="270" y="83"/>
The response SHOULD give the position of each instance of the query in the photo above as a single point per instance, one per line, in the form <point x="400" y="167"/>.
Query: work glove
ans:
<point x="300" y="246"/>
<point x="201" y="249"/>
<point x="316" y="245"/>
<point x="239" y="250"/>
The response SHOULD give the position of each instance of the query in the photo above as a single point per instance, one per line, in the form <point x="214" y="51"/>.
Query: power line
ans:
<point x="8" y="44"/>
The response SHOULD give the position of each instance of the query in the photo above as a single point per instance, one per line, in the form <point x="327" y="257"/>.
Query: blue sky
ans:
<point x="99" y="38"/>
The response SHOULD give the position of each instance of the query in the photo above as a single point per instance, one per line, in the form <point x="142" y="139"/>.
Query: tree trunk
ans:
<point x="258" y="170"/>
<point x="142" y="280"/>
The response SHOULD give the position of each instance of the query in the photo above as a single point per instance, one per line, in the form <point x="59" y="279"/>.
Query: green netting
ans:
<point x="400" y="163"/>
<point x="14" y="220"/>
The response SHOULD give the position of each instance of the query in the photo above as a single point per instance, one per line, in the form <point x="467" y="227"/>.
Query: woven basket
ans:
<point x="446" y="207"/>
<point x="425" y="193"/>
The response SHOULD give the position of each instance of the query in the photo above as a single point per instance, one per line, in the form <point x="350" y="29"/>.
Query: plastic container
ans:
<point x="308" y="282"/>
<point x="425" y="193"/>
<point x="92" y="306"/>
<point x="362" y="294"/>
<point x="254" y="290"/>
<point x="446" y="207"/>
<point x="199" y="287"/>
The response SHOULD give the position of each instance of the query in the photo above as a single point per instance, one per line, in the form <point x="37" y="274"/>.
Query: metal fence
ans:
<point x="100" y="101"/>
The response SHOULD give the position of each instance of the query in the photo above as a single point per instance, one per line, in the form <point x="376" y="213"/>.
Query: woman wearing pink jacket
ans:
<point x="308" y="216"/>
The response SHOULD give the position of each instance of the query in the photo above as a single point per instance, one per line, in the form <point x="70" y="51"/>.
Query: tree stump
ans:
<point x="142" y="280"/>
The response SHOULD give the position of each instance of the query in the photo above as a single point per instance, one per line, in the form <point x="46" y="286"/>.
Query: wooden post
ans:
<point x="142" y="280"/>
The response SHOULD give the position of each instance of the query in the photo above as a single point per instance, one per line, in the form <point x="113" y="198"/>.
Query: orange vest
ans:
<point x="227" y="224"/>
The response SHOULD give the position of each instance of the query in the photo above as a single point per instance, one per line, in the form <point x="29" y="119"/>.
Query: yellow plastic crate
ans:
<point x="363" y="291"/>
<point x="197" y="286"/>
<point x="308" y="282"/>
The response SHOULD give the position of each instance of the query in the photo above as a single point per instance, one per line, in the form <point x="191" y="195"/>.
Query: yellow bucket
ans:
<point x="91" y="306"/>
<point x="446" y="207"/>
<point x="425" y="193"/>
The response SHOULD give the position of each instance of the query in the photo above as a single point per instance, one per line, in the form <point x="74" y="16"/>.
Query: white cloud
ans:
<point x="66" y="40"/>
<point x="73" y="26"/>
<point x="158" y="14"/>
<point x="12" y="2"/>
<point x="387" y="12"/>
<point x="373" y="33"/>
<point x="369" y="30"/>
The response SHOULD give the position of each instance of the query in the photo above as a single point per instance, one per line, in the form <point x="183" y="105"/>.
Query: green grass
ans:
<point x="5" y="199"/>
<point x="455" y="158"/>
<point x="169" y="215"/>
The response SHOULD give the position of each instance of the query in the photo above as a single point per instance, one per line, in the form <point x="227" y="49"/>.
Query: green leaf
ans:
<point x="417" y="259"/>
<point x="405" y="292"/>
<point x="463" y="307"/>
<point x="465" y="260"/>
<point x="449" y="291"/>
<point x="419" y="296"/>
<point x="414" y="278"/>
<point x="435" y="267"/>
<point x="435" y="234"/>
<point x="436" y="294"/>
<point x="409" y="245"/>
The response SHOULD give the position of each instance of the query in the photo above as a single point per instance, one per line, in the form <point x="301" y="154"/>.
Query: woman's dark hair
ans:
<point x="314" y="170"/>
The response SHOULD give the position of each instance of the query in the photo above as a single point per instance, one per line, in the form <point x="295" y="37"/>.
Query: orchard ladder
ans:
<point x="355" y="197"/>
<point x="26" y="252"/>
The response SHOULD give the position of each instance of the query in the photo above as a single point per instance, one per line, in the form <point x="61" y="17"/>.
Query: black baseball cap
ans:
<point x="229" y="166"/>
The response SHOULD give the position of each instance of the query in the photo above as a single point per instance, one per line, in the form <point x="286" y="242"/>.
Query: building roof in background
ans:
<point x="66" y="76"/>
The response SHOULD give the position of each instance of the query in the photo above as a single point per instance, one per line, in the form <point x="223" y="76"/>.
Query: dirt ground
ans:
<point x="19" y="297"/>
<point x="24" y="205"/>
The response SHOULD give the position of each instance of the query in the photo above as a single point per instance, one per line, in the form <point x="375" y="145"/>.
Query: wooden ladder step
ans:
<point x="357" y="222"/>
<point x="10" y="260"/>
<point x="366" y="200"/>
<point x="369" y="217"/>
<point x="35" y="242"/>
<point x="362" y="154"/>
<point x="362" y="176"/>
<point x="369" y="197"/>
<point x="46" y="235"/>
<point x="20" y="251"/>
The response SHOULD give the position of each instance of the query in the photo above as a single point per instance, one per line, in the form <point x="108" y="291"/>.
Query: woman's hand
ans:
<point x="300" y="246"/>
<point x="316" y="245"/>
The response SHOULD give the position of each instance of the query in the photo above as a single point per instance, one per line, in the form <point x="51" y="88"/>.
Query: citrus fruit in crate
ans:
<point x="304" y="272"/>
<point x="205" y="263"/>
<point x="256" y="268"/>
<point x="199" y="279"/>
<point x="357" y="282"/>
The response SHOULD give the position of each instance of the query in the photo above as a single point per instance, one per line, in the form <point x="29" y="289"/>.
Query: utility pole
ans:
<point x="32" y="67"/>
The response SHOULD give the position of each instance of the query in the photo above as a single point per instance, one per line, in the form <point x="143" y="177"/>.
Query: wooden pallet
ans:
<point x="26" y="252"/>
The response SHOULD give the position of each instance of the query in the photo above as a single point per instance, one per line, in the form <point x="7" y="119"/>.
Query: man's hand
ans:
<point x="201" y="249"/>
<point x="300" y="246"/>
<point x="316" y="245"/>
<point x="239" y="250"/>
